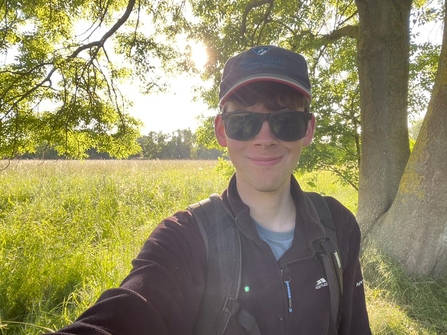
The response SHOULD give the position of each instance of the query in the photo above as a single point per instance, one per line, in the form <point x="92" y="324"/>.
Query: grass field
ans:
<point x="69" y="230"/>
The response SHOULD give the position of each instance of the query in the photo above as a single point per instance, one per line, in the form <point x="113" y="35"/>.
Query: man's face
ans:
<point x="263" y="163"/>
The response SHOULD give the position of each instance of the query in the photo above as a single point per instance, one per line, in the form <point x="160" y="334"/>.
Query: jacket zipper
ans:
<point x="286" y="281"/>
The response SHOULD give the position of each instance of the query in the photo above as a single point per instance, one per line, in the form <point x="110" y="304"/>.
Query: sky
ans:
<point x="174" y="109"/>
<point x="166" y="112"/>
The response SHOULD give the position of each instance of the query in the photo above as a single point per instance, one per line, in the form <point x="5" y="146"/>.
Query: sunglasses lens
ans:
<point x="289" y="126"/>
<point x="286" y="125"/>
<point x="242" y="126"/>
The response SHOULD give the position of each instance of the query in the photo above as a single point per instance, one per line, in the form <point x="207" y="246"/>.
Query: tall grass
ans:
<point x="69" y="230"/>
<point x="400" y="304"/>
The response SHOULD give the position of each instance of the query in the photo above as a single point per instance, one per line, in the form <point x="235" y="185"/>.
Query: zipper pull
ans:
<point x="289" y="293"/>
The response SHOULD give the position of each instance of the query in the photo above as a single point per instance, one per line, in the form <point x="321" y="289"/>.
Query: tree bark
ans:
<point x="383" y="62"/>
<point x="414" y="230"/>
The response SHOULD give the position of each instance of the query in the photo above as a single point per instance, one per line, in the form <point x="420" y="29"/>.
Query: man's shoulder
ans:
<point x="338" y="210"/>
<point x="346" y="226"/>
<point x="179" y="226"/>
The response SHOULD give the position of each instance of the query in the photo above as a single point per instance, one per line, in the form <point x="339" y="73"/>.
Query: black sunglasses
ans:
<point x="286" y="125"/>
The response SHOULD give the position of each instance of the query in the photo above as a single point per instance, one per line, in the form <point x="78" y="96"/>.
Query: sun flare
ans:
<point x="199" y="55"/>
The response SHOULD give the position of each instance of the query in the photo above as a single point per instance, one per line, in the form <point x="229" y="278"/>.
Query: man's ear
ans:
<point x="219" y="130"/>
<point x="307" y="140"/>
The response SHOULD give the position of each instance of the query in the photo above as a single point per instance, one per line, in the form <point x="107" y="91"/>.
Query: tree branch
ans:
<point x="343" y="177"/>
<point x="110" y="32"/>
<point x="346" y="31"/>
<point x="265" y="21"/>
<point x="343" y="13"/>
<point x="249" y="7"/>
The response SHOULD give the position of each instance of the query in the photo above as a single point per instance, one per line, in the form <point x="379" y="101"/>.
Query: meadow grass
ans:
<point x="69" y="230"/>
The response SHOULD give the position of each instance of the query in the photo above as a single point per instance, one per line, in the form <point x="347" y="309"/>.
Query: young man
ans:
<point x="265" y="124"/>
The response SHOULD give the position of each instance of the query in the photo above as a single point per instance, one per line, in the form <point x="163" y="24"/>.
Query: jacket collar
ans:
<point x="308" y="230"/>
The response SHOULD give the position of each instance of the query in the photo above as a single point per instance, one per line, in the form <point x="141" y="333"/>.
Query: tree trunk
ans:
<point x="383" y="62"/>
<point x="414" y="231"/>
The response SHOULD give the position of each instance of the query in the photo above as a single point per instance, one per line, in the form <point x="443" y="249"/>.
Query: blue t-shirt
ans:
<point x="279" y="242"/>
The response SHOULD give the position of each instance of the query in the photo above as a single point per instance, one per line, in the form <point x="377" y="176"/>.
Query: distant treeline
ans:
<point x="180" y="144"/>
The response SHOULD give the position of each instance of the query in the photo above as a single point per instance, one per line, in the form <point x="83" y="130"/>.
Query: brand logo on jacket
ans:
<point x="321" y="283"/>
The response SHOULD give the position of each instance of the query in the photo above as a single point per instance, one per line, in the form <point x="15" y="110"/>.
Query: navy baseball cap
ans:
<point x="264" y="63"/>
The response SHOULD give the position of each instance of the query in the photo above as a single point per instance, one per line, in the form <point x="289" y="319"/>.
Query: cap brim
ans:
<point x="266" y="77"/>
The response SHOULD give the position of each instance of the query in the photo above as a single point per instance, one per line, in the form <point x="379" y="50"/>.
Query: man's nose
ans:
<point x="265" y="135"/>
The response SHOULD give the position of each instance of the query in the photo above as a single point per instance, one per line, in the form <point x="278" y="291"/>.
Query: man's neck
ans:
<point x="274" y="210"/>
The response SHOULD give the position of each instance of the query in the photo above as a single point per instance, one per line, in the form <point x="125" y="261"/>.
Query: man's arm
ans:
<point x="162" y="293"/>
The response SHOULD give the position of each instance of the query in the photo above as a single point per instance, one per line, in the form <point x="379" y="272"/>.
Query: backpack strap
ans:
<point x="330" y="255"/>
<point x="223" y="278"/>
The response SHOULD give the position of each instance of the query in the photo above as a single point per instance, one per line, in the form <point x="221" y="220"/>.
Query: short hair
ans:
<point x="274" y="96"/>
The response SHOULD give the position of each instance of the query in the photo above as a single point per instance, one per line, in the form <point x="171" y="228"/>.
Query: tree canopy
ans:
<point x="64" y="67"/>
